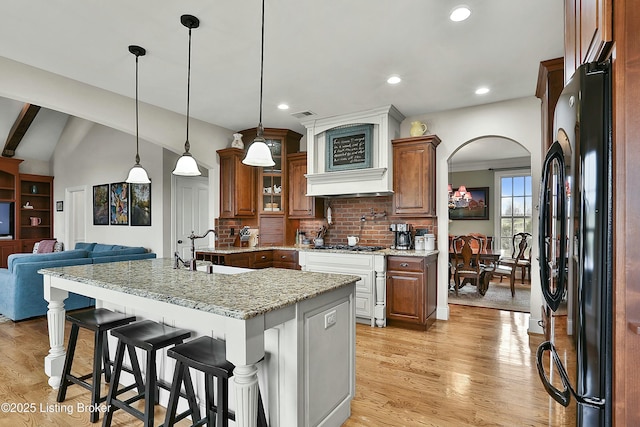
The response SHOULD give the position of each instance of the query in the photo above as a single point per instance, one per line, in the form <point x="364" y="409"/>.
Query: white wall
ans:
<point x="518" y="120"/>
<point x="90" y="154"/>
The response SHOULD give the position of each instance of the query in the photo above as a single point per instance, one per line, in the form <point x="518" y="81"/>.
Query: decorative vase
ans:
<point x="237" y="141"/>
<point x="417" y="129"/>
<point x="34" y="189"/>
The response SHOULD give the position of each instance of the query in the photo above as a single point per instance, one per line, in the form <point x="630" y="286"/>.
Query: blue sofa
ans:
<point x="21" y="286"/>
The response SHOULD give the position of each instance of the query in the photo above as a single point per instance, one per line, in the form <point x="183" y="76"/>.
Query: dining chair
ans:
<point x="466" y="260"/>
<point x="507" y="266"/>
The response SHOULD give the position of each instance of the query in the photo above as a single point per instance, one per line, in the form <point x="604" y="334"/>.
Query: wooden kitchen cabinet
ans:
<point x="548" y="89"/>
<point x="300" y="205"/>
<point x="411" y="291"/>
<point x="272" y="181"/>
<point x="414" y="176"/>
<point x="261" y="259"/>
<point x="283" y="258"/>
<point x="37" y="190"/>
<point x="588" y="32"/>
<point x="237" y="185"/>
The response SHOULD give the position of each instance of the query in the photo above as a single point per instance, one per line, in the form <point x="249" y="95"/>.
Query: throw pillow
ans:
<point x="47" y="246"/>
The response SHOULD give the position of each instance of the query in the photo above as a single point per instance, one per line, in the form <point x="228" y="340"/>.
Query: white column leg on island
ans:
<point x="54" y="361"/>
<point x="246" y="386"/>
<point x="245" y="348"/>
<point x="380" y="309"/>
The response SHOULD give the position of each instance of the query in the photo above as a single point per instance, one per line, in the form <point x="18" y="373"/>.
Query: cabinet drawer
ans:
<point x="261" y="259"/>
<point x="400" y="263"/>
<point x="280" y="255"/>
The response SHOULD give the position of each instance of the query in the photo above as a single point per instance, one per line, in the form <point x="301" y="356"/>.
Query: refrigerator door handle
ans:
<point x="562" y="397"/>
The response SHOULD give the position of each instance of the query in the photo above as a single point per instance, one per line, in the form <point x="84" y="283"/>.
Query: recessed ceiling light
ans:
<point x="283" y="107"/>
<point x="460" y="13"/>
<point x="482" y="90"/>
<point x="394" y="80"/>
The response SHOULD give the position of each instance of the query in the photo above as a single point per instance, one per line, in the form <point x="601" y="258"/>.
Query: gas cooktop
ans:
<point x="351" y="248"/>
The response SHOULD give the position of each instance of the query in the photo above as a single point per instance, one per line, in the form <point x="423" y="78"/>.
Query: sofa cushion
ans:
<point x="100" y="247"/>
<point x="117" y="252"/>
<point x="15" y="259"/>
<point x="57" y="247"/>
<point x="85" y="246"/>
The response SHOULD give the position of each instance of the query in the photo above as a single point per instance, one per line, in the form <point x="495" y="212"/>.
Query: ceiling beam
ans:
<point x="19" y="129"/>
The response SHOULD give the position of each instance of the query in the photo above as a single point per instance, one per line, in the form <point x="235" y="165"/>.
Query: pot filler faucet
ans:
<point x="190" y="264"/>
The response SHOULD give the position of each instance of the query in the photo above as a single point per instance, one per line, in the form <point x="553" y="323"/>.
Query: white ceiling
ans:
<point x="329" y="57"/>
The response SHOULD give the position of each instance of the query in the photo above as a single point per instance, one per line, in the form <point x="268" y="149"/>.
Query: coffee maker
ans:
<point x="401" y="236"/>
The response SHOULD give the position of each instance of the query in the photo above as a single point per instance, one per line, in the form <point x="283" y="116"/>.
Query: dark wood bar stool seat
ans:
<point x="207" y="355"/>
<point x="149" y="336"/>
<point x="100" y="321"/>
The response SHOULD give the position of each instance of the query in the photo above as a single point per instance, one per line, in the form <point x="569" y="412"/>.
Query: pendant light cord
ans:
<point x="260" y="128"/>
<point x="186" y="144"/>
<point x="137" y="133"/>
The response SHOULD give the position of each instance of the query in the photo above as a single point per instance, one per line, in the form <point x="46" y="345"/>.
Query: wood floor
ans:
<point x="477" y="369"/>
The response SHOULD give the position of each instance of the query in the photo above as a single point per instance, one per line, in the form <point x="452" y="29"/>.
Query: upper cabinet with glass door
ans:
<point x="272" y="181"/>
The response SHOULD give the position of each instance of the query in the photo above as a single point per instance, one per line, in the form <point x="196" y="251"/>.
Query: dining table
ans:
<point x="489" y="257"/>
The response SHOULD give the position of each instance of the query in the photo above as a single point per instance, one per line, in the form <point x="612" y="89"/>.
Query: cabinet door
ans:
<point x="431" y="286"/>
<point x="414" y="176"/>
<point x="261" y="259"/>
<point x="285" y="259"/>
<point x="301" y="206"/>
<point x="238" y="260"/>
<point x="405" y="296"/>
<point x="237" y="185"/>
<point x="7" y="248"/>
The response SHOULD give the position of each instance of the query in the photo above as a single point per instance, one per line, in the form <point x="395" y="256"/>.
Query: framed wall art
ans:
<point x="349" y="148"/>
<point x="473" y="206"/>
<point x="119" y="203"/>
<point x="140" y="204"/>
<point x="101" y="204"/>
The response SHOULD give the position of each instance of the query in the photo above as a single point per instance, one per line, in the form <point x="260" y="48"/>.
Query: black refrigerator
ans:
<point x="575" y="244"/>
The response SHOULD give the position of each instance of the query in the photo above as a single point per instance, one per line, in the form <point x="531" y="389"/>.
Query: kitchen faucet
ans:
<point x="191" y="264"/>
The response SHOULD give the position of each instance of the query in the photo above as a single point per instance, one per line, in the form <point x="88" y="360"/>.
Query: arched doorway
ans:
<point x="497" y="171"/>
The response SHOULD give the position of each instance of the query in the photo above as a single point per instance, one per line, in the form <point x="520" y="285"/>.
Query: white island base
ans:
<point x="307" y="377"/>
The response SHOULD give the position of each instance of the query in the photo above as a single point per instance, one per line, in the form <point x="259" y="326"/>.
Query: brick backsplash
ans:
<point x="347" y="214"/>
<point x="374" y="231"/>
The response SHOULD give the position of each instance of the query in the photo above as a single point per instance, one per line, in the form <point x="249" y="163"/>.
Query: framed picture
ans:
<point x="348" y="148"/>
<point x="474" y="207"/>
<point x="140" y="204"/>
<point x="119" y="203"/>
<point x="59" y="206"/>
<point x="101" y="204"/>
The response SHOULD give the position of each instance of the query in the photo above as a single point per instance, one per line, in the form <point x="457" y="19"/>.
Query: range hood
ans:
<point x="350" y="155"/>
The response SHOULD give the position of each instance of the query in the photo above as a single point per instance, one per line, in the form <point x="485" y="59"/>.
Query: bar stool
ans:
<point x="99" y="320"/>
<point x="150" y="337"/>
<point x="207" y="355"/>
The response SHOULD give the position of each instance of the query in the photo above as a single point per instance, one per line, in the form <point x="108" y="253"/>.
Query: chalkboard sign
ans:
<point x="349" y="148"/>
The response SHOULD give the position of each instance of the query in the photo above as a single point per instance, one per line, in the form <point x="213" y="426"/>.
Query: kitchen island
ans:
<point x="302" y="318"/>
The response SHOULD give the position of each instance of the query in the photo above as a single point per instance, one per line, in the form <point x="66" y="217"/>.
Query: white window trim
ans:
<point x="497" y="199"/>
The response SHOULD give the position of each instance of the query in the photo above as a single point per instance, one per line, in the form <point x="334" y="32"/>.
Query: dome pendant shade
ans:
<point x="186" y="164"/>
<point x="258" y="154"/>
<point x="137" y="174"/>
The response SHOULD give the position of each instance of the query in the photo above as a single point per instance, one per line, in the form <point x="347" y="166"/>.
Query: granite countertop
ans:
<point x="240" y="296"/>
<point x="385" y="252"/>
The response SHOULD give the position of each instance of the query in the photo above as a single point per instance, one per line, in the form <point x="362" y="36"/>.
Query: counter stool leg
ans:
<point x="208" y="393"/>
<point x="97" y="374"/>
<point x="150" y="390"/>
<point x="191" y="395"/>
<point x="117" y="368"/>
<point x="181" y="375"/>
<point x="71" y="349"/>
<point x="223" y="403"/>
<point x="105" y="357"/>
<point x="135" y="367"/>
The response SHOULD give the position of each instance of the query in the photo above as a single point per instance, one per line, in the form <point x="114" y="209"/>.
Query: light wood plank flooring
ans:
<point x="477" y="369"/>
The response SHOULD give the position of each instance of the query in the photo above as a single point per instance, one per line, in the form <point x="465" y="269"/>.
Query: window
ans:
<point x="515" y="207"/>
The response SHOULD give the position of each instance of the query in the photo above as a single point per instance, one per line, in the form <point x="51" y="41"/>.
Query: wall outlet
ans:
<point x="330" y="319"/>
<point x="233" y="231"/>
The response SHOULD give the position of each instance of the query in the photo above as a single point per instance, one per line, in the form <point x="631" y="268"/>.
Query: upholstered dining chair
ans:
<point x="507" y="266"/>
<point x="466" y="260"/>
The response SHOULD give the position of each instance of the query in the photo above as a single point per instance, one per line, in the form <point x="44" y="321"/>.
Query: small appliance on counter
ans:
<point x="424" y="241"/>
<point x="401" y="237"/>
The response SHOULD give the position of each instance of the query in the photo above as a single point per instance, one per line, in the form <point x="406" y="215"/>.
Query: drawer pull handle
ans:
<point x="264" y="257"/>
<point x="283" y="257"/>
<point x="404" y="264"/>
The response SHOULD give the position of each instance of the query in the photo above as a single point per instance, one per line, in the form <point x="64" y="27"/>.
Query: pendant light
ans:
<point x="258" y="153"/>
<point x="137" y="174"/>
<point x="187" y="165"/>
